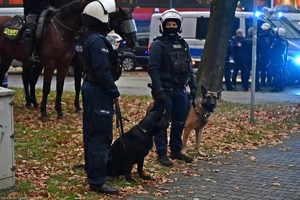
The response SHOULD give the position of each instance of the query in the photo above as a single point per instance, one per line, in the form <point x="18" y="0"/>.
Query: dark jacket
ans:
<point x="170" y="64"/>
<point x="279" y="51"/>
<point x="238" y="49"/>
<point x="98" y="65"/>
<point x="34" y="6"/>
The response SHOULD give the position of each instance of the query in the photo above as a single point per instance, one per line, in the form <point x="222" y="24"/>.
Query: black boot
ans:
<point x="180" y="156"/>
<point x="165" y="161"/>
<point x="105" y="188"/>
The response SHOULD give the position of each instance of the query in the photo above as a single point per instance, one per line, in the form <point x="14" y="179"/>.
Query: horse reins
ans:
<point x="55" y="21"/>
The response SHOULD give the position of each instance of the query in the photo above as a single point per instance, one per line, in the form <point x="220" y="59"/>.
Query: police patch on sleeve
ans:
<point x="104" y="50"/>
<point x="177" y="46"/>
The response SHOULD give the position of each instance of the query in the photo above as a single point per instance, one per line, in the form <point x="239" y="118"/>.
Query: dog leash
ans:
<point x="119" y="121"/>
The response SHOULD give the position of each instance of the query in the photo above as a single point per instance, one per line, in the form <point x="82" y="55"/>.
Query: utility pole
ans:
<point x="253" y="73"/>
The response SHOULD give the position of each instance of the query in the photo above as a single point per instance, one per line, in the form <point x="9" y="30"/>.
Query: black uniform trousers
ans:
<point x="97" y="131"/>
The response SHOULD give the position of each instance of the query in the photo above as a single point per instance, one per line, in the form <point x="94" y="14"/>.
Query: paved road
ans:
<point x="274" y="175"/>
<point x="135" y="85"/>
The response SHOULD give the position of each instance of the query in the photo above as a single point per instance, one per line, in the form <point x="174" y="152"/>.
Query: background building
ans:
<point x="11" y="3"/>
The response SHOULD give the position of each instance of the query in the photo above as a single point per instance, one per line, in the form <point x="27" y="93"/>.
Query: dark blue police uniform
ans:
<point x="170" y="71"/>
<point x="278" y="62"/>
<point x="240" y="54"/>
<point x="98" y="92"/>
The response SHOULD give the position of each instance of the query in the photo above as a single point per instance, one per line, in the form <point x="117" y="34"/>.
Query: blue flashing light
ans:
<point x="279" y="14"/>
<point x="297" y="60"/>
<point x="258" y="14"/>
<point x="146" y="52"/>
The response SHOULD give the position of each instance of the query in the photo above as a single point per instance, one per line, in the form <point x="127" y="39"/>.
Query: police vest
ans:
<point x="177" y="61"/>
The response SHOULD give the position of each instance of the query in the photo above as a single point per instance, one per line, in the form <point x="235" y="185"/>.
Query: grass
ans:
<point x="47" y="151"/>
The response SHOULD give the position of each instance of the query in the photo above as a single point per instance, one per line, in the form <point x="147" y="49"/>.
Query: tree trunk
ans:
<point x="210" y="74"/>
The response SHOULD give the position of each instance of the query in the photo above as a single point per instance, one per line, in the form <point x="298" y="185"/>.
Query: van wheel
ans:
<point x="128" y="64"/>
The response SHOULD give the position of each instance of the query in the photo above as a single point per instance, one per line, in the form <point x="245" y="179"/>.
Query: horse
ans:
<point x="55" y="48"/>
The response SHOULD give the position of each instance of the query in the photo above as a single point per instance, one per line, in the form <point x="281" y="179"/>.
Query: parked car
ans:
<point x="135" y="57"/>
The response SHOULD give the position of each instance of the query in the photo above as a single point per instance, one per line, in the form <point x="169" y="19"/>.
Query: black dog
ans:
<point x="132" y="147"/>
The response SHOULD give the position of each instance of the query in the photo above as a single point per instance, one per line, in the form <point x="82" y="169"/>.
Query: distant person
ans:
<point x="278" y="60"/>
<point x="264" y="41"/>
<point x="239" y="54"/>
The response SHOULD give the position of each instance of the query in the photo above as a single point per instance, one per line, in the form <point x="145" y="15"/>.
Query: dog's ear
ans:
<point x="203" y="91"/>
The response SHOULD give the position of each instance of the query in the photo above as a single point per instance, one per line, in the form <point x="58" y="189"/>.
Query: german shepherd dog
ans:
<point x="198" y="116"/>
<point x="132" y="147"/>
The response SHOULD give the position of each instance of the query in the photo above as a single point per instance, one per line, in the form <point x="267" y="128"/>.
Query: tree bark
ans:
<point x="211" y="69"/>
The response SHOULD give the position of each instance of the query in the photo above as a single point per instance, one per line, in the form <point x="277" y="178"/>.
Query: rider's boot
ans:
<point x="29" y="34"/>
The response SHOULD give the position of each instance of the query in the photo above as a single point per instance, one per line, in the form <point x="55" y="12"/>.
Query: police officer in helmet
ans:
<point x="170" y="71"/>
<point x="98" y="93"/>
<point x="32" y="10"/>
<point x="278" y="60"/>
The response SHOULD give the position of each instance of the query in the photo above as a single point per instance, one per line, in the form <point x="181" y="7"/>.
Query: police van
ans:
<point x="195" y="27"/>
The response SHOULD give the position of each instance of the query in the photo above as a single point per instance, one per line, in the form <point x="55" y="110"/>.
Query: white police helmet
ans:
<point x="265" y="26"/>
<point x="170" y="15"/>
<point x="280" y="31"/>
<point x="100" y="9"/>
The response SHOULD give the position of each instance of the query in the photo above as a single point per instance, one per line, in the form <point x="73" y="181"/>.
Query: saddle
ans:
<point x="13" y="29"/>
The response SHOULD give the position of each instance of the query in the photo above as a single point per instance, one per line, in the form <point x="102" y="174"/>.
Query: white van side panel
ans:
<point x="187" y="30"/>
<point x="11" y="11"/>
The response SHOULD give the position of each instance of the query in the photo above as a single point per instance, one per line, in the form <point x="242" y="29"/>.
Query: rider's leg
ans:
<point x="29" y="32"/>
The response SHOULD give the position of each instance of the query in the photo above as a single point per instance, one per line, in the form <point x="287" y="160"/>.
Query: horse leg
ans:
<point x="60" y="79"/>
<point x="48" y="73"/>
<point x="77" y="76"/>
<point x="37" y="70"/>
<point x="26" y="76"/>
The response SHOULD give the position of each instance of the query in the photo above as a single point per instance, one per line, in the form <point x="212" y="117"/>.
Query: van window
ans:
<point x="202" y="27"/>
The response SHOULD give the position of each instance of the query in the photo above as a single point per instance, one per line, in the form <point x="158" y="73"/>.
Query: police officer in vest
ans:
<point x="32" y="10"/>
<point x="170" y="71"/>
<point x="98" y="93"/>
<point x="278" y="60"/>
